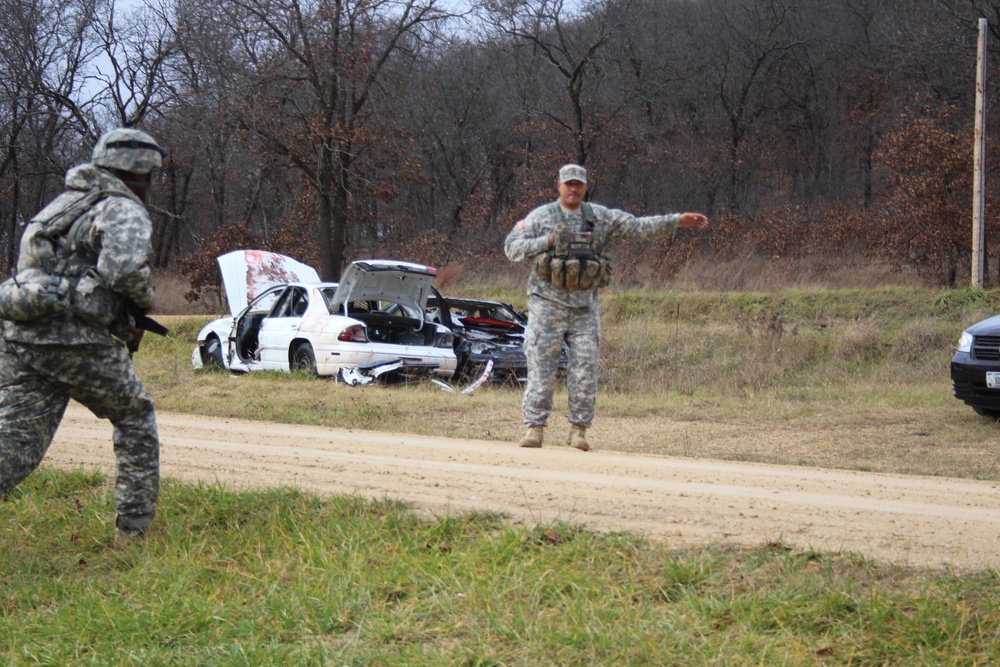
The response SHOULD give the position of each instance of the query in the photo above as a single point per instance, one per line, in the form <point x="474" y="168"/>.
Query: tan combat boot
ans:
<point x="578" y="438"/>
<point x="533" y="438"/>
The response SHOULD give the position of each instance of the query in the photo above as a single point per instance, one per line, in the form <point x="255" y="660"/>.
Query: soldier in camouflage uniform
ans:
<point x="565" y="240"/>
<point x="73" y="344"/>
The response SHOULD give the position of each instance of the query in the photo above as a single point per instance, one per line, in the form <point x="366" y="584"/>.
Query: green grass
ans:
<point x="280" y="577"/>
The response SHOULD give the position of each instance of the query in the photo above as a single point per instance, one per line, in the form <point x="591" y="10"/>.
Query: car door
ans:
<point x="244" y="340"/>
<point x="280" y="328"/>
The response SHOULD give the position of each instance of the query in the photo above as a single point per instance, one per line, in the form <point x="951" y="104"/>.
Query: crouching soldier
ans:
<point x="566" y="241"/>
<point x="69" y="324"/>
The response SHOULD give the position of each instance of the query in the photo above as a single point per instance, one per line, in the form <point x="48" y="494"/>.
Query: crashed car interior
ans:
<point x="473" y="314"/>
<point x="485" y="331"/>
<point x="489" y="318"/>
<point x="389" y="322"/>
<point x="291" y="302"/>
<point x="248" y="327"/>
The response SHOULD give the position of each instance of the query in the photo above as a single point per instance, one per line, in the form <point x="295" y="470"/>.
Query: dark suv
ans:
<point x="975" y="368"/>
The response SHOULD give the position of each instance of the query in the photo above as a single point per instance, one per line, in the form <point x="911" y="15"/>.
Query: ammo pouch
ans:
<point x="585" y="272"/>
<point x="574" y="262"/>
<point x="31" y="295"/>
<point x="64" y="279"/>
<point x="92" y="300"/>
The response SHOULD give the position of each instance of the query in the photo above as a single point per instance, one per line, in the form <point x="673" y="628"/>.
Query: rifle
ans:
<point x="143" y="323"/>
<point x="147" y="323"/>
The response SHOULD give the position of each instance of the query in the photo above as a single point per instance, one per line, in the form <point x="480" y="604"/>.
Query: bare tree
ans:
<point x="749" y="46"/>
<point x="213" y="179"/>
<point x="570" y="44"/>
<point x="134" y="46"/>
<point x="45" y="109"/>
<point x="318" y="68"/>
<point x="470" y="127"/>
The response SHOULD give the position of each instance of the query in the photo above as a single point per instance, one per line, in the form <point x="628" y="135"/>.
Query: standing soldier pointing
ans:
<point x="566" y="240"/>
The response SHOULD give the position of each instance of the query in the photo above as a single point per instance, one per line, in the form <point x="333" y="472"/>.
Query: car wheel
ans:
<point x="211" y="353"/>
<point x="303" y="358"/>
<point x="987" y="412"/>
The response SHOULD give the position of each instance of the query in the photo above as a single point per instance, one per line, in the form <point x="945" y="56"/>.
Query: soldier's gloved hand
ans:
<point x="133" y="344"/>
<point x="560" y="241"/>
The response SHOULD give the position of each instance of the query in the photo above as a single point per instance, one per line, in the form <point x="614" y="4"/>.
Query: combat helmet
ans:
<point x="127" y="149"/>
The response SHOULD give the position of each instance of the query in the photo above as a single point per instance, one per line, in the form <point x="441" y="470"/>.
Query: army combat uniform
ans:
<point x="559" y="314"/>
<point x="45" y="362"/>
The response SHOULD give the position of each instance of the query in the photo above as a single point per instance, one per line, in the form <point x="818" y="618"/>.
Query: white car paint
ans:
<point x="247" y="273"/>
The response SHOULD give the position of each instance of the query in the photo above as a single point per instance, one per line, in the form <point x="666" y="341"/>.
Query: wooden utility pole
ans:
<point x="979" y="156"/>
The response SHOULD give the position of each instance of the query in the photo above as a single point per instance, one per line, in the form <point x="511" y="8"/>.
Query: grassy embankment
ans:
<point x="279" y="577"/>
<point x="679" y="371"/>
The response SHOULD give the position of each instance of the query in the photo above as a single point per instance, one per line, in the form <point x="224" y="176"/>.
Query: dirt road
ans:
<point x="909" y="520"/>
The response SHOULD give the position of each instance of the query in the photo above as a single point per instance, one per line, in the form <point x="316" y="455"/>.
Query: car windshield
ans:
<point x="264" y="302"/>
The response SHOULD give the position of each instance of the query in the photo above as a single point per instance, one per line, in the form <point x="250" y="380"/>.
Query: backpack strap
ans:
<point x="64" y="232"/>
<point x="74" y="234"/>
<point x="589" y="219"/>
<point x="555" y="211"/>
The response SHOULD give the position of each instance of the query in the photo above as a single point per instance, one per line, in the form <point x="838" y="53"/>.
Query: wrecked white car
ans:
<point x="371" y="324"/>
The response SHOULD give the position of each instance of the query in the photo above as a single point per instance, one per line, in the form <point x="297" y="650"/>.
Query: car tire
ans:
<point x="304" y="359"/>
<point x="211" y="353"/>
<point x="989" y="413"/>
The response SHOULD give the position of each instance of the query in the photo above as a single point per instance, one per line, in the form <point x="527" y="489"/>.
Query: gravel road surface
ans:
<point x="922" y="521"/>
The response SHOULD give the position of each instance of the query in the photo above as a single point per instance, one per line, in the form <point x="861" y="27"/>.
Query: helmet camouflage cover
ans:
<point x="128" y="150"/>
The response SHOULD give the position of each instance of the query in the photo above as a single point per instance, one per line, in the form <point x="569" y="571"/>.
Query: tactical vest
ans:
<point x="64" y="277"/>
<point x="575" y="260"/>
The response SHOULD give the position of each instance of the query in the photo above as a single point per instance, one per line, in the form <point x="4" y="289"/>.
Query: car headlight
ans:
<point x="482" y="348"/>
<point x="965" y="342"/>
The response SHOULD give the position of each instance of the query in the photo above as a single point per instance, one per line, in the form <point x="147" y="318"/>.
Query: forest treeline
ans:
<point x="333" y="130"/>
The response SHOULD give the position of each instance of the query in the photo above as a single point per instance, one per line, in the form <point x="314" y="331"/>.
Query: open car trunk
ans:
<point x="395" y="327"/>
<point x="389" y="297"/>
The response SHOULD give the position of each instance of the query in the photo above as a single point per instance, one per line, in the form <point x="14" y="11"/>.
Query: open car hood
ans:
<point x="247" y="273"/>
<point x="404" y="283"/>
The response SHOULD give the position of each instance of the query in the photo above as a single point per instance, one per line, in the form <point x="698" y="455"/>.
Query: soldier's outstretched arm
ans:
<point x="627" y="226"/>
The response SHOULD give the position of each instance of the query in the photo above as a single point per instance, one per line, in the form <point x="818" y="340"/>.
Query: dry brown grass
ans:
<point x="854" y="379"/>
<point x="170" y="299"/>
<point x="756" y="274"/>
<point x="496" y="276"/>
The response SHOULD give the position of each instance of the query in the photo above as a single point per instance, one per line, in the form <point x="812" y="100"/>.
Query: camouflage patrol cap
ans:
<point x="129" y="150"/>
<point x="572" y="172"/>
